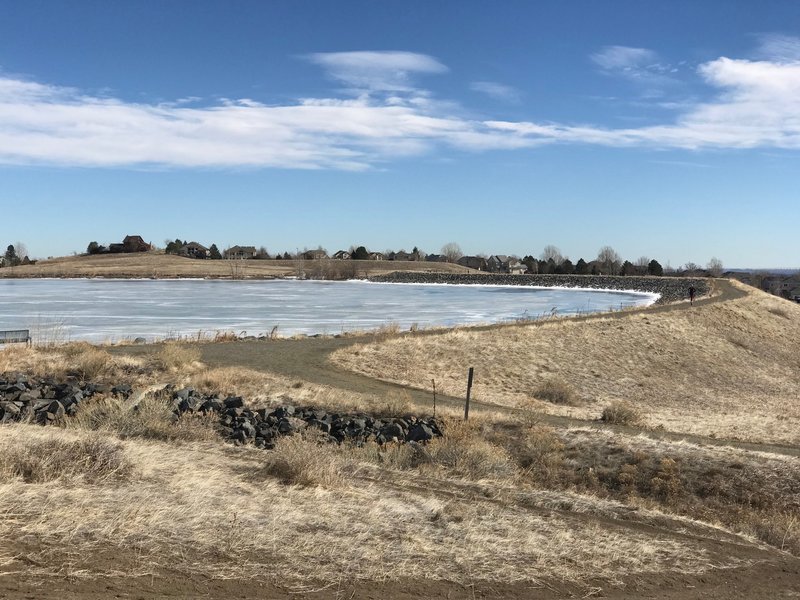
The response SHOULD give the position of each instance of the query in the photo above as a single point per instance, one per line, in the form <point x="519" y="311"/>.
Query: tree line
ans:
<point x="15" y="255"/>
<point x="609" y="262"/>
<point x="550" y="261"/>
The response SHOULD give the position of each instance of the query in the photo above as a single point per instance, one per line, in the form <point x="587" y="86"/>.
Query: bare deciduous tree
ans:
<point x="714" y="267"/>
<point x="452" y="252"/>
<point x="22" y="250"/>
<point x="552" y="252"/>
<point x="609" y="260"/>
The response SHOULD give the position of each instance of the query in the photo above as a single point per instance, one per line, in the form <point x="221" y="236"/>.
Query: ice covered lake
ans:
<point x="113" y="310"/>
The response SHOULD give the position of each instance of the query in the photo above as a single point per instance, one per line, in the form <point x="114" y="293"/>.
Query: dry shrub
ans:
<point x="778" y="529"/>
<point x="387" y="330"/>
<point x="557" y="391"/>
<point x="394" y="455"/>
<point x="152" y="418"/>
<point x="466" y="453"/>
<point x="230" y="380"/>
<point x="303" y="460"/>
<point x="176" y="356"/>
<point x="91" y="363"/>
<point x="667" y="482"/>
<point x="36" y="460"/>
<point x="83" y="359"/>
<point x="621" y="413"/>
<point x="540" y="452"/>
<point x="225" y="336"/>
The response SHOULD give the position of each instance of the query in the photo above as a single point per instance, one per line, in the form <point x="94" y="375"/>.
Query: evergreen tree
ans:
<point x="11" y="256"/>
<point x="360" y="253"/>
<point x="581" y="267"/>
<point x="544" y="267"/>
<point x="174" y="247"/>
<point x="567" y="268"/>
<point x="214" y="253"/>
<point x="654" y="268"/>
<point x="93" y="248"/>
<point x="628" y="269"/>
<point x="531" y="263"/>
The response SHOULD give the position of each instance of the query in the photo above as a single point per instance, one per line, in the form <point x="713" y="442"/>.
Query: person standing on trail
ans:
<point x="692" y="292"/>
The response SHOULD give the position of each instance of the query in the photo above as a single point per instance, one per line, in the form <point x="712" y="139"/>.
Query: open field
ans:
<point x="126" y="501"/>
<point x="166" y="266"/>
<point x="728" y="369"/>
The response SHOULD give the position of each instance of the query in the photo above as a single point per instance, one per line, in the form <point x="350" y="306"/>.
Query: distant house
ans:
<point x="473" y="262"/>
<point x="436" y="258"/>
<point x="131" y="243"/>
<point x="515" y="267"/>
<point x="376" y="256"/>
<point x="501" y="263"/>
<point x="342" y="255"/>
<point x="780" y="286"/>
<point x="318" y="254"/>
<point x="194" y="250"/>
<point x="135" y="243"/>
<point x="497" y="263"/>
<point x="401" y="255"/>
<point x="241" y="252"/>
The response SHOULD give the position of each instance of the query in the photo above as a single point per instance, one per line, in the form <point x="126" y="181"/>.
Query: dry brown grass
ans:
<point x="79" y="359"/>
<point x="150" y="418"/>
<point x="176" y="356"/>
<point x="754" y="493"/>
<point x="728" y="369"/>
<point x="465" y="453"/>
<point x="304" y="460"/>
<point x="212" y="510"/>
<point x="159" y="265"/>
<point x="40" y="459"/>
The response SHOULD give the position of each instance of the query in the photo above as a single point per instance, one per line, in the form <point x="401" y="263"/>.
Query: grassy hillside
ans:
<point x="158" y="265"/>
<point x="728" y="369"/>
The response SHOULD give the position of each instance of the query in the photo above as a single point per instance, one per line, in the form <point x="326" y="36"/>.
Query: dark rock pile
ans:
<point x="45" y="400"/>
<point x="263" y="426"/>
<point x="672" y="289"/>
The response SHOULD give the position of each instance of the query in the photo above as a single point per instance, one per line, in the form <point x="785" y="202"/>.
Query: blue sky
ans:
<point x="664" y="129"/>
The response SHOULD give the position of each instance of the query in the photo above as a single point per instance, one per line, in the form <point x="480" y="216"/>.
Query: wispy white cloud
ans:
<point x="41" y="124"/>
<point x="754" y="106"/>
<point x="622" y="58"/>
<point x="640" y="65"/>
<point x="376" y="70"/>
<point x="779" y="47"/>
<point x="495" y="90"/>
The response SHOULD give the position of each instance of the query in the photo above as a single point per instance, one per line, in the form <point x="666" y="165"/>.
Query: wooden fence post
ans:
<point x="469" y="390"/>
<point x="433" y="381"/>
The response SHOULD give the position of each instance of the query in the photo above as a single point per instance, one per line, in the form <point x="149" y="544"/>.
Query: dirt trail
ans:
<point x="308" y="360"/>
<point x="776" y="579"/>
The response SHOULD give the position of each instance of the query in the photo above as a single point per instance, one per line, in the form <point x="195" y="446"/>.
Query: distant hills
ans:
<point x="766" y="270"/>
